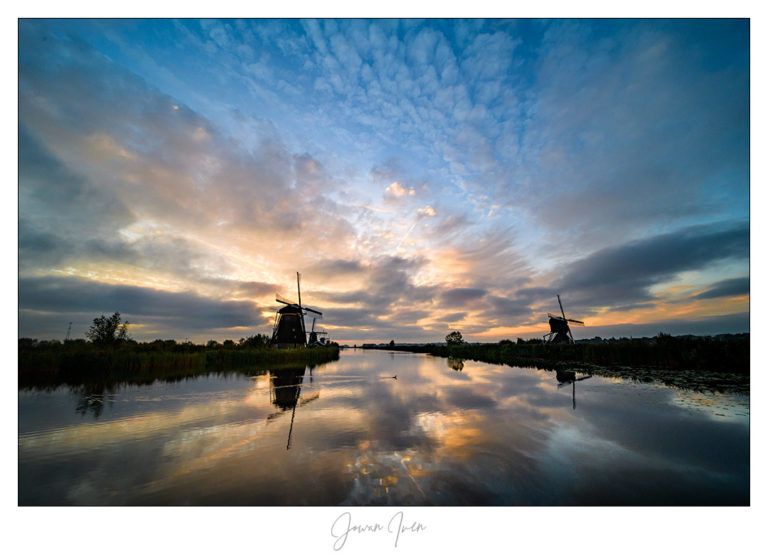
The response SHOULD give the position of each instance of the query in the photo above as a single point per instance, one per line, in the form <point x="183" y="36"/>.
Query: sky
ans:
<point x="424" y="176"/>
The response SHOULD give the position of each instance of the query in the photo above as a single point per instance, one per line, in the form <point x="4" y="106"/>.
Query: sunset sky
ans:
<point x="423" y="176"/>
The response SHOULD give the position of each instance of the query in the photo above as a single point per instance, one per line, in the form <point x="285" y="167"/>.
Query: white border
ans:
<point x="508" y="532"/>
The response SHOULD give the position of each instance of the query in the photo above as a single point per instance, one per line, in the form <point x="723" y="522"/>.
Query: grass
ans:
<point x="720" y="364"/>
<point x="49" y="365"/>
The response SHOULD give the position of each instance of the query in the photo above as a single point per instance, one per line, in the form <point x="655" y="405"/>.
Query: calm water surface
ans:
<point x="442" y="433"/>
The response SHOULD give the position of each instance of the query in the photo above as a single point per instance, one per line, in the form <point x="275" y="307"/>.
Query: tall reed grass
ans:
<point x="55" y="364"/>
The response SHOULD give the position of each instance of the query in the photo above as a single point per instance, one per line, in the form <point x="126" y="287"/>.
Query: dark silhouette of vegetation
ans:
<point x="454" y="338"/>
<point x="715" y="363"/>
<point x="108" y="331"/>
<point x="50" y="363"/>
<point x="255" y="341"/>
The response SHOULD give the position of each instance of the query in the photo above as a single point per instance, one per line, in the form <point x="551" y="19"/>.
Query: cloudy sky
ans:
<point x="424" y="176"/>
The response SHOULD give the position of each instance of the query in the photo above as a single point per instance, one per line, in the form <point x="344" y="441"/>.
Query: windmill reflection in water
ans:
<point x="565" y="377"/>
<point x="285" y="392"/>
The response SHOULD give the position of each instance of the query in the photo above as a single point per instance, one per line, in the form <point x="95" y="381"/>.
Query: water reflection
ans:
<point x="456" y="364"/>
<point x="568" y="377"/>
<point x="489" y="435"/>
<point x="285" y="388"/>
<point x="91" y="399"/>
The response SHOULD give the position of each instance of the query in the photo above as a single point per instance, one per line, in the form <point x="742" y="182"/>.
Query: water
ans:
<point x="347" y="432"/>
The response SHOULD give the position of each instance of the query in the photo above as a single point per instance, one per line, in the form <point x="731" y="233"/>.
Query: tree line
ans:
<point x="108" y="353"/>
<point x="110" y="332"/>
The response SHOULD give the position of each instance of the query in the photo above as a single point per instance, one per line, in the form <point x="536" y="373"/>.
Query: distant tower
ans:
<point x="69" y="330"/>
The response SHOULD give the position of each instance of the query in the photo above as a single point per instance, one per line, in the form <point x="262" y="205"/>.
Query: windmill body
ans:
<point x="560" y="332"/>
<point x="288" y="331"/>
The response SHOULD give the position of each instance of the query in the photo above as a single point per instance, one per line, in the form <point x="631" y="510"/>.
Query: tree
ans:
<point x="454" y="338"/>
<point x="107" y="331"/>
<point x="391" y="342"/>
<point x="255" y="341"/>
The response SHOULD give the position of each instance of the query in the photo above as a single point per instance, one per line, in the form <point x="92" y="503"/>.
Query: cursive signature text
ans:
<point x="343" y="527"/>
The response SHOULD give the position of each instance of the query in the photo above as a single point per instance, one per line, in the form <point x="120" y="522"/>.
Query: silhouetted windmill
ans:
<point x="560" y="331"/>
<point x="289" y="330"/>
<point x="313" y="339"/>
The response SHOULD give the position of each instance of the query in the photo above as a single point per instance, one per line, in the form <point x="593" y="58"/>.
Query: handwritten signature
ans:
<point x="343" y="527"/>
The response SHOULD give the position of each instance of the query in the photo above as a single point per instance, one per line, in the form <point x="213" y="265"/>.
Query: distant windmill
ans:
<point x="560" y="331"/>
<point x="313" y="339"/>
<point x="289" y="330"/>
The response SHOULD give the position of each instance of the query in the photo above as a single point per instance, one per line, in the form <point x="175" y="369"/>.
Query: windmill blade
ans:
<point x="301" y="315"/>
<point x="286" y="301"/>
<point x="308" y="400"/>
<point x="312" y="310"/>
<point x="561" y="307"/>
<point x="575" y="321"/>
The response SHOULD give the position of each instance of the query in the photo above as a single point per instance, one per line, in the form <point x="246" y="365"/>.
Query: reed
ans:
<point x="698" y="363"/>
<point x="730" y="355"/>
<point x="55" y="364"/>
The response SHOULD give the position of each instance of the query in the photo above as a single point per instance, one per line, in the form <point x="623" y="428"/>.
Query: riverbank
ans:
<point x="692" y="363"/>
<point x="53" y="365"/>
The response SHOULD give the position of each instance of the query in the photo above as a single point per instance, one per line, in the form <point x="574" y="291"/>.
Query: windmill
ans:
<point x="313" y="340"/>
<point x="560" y="331"/>
<point x="289" y="330"/>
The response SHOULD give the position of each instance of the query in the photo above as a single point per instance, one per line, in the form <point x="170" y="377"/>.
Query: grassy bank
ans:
<point x="46" y="364"/>
<point x="697" y="363"/>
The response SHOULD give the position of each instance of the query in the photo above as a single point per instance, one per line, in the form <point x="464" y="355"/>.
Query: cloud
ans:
<point x="461" y="297"/>
<point x="624" y="274"/>
<point x="332" y="268"/>
<point x="161" y="309"/>
<point x="702" y="326"/>
<point x="726" y="288"/>
<point x="155" y="161"/>
<point x="451" y="318"/>
<point x="50" y="195"/>
<point x="255" y="289"/>
<point x="507" y="311"/>
<point x="635" y="124"/>
<point x="600" y="159"/>
<point x="396" y="190"/>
